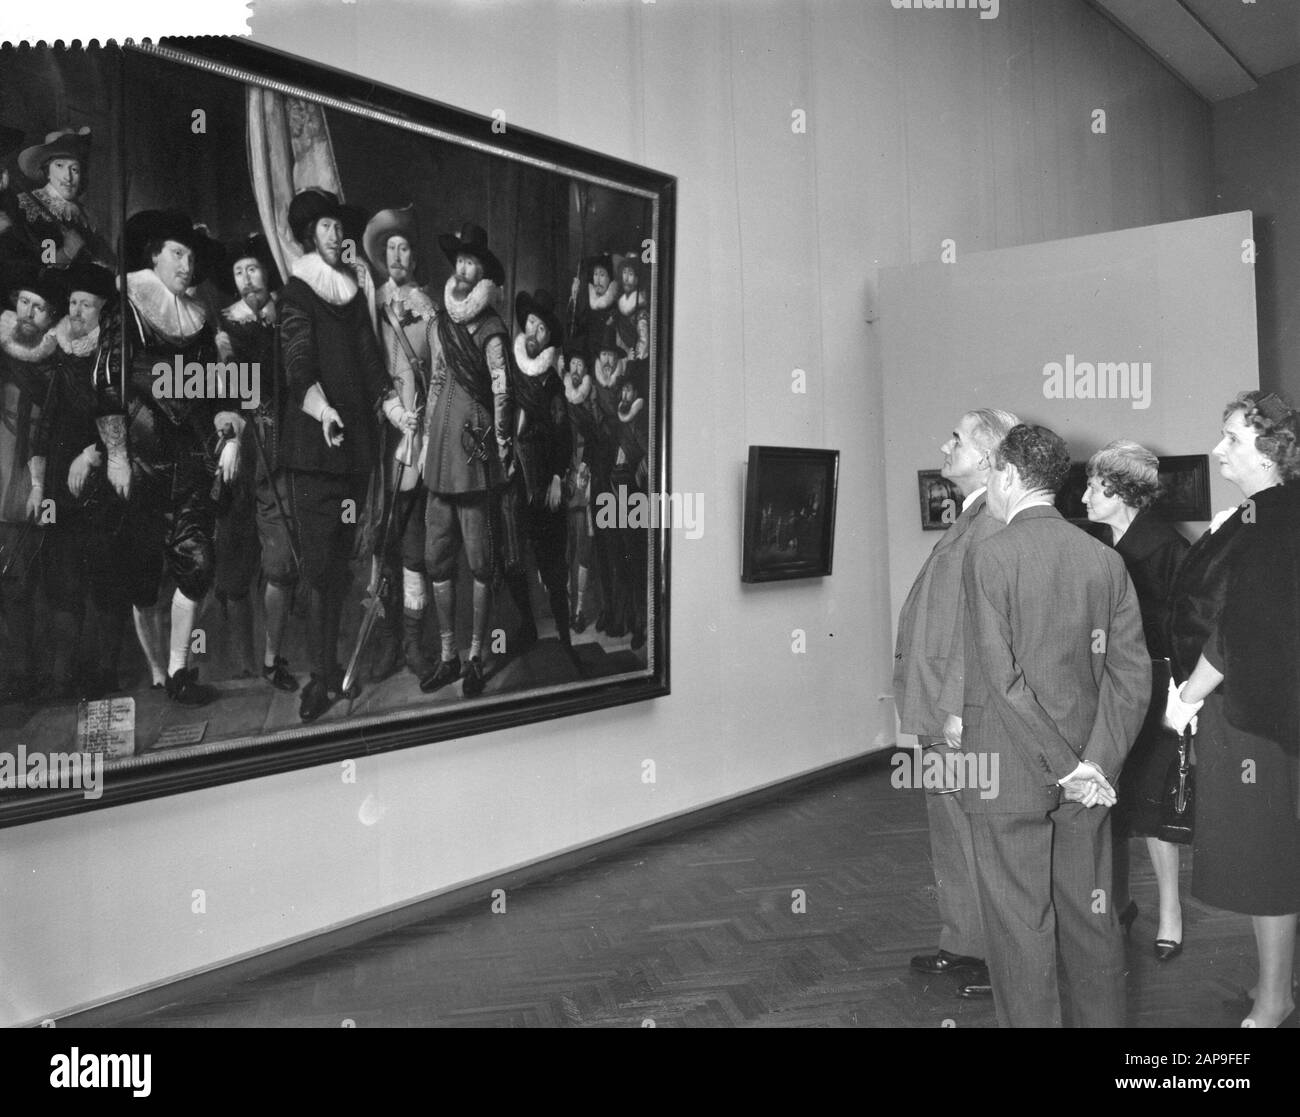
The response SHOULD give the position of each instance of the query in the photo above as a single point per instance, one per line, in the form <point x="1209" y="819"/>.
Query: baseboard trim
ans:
<point x="210" y="982"/>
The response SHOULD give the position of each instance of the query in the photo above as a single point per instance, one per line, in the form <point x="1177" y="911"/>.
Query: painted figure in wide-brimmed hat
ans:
<point x="253" y="528"/>
<point x="336" y="384"/>
<point x="543" y="445"/>
<point x="88" y="610"/>
<point x="159" y="445"/>
<point x="469" y="431"/>
<point x="52" y="221"/>
<point x="407" y="318"/>
<point x="34" y="298"/>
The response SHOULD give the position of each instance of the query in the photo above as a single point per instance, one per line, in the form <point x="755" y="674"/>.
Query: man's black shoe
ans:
<point x="447" y="671"/>
<point x="943" y="962"/>
<point x="475" y="681"/>
<point x="315" y="699"/>
<point x="184" y="688"/>
<point x="976" y="989"/>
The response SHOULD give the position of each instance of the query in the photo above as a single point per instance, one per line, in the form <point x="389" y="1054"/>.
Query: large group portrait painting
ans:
<point x="312" y="392"/>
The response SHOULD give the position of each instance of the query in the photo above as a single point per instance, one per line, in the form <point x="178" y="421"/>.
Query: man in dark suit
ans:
<point x="1057" y="686"/>
<point x="929" y="677"/>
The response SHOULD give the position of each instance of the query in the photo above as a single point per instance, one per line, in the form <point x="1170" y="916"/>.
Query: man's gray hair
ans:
<point x="990" y="427"/>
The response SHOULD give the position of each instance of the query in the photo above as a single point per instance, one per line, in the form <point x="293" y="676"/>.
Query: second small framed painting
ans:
<point x="940" y="500"/>
<point x="789" y="513"/>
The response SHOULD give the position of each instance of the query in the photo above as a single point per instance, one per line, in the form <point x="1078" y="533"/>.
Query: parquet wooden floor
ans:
<point x="703" y="930"/>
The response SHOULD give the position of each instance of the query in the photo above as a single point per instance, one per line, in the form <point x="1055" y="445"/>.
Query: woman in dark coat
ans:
<point x="1237" y="605"/>
<point x="1123" y="481"/>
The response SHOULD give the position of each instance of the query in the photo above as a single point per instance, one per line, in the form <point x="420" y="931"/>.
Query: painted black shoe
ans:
<point x="336" y="685"/>
<point x="579" y="622"/>
<point x="447" y="671"/>
<point x="474" y="679"/>
<point x="278" y="675"/>
<point x="943" y="962"/>
<point x="315" y="699"/>
<point x="183" y="688"/>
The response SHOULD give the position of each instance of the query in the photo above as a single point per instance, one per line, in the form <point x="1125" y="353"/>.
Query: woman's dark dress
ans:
<point x="1246" y="843"/>
<point x="1152" y="550"/>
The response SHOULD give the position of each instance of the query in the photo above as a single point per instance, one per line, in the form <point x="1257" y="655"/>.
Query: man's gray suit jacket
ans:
<point x="1057" y="666"/>
<point x="929" y="657"/>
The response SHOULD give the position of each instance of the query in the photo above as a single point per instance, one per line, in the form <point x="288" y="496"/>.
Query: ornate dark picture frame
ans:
<point x="190" y="126"/>
<point x="789" y="529"/>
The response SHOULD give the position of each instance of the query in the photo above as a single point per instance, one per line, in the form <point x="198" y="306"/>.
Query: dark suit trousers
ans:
<point x="1045" y="880"/>
<point x="953" y="853"/>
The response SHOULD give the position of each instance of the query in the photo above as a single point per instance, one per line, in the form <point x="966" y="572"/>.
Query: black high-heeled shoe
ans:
<point x="1128" y="915"/>
<point x="1167" y="950"/>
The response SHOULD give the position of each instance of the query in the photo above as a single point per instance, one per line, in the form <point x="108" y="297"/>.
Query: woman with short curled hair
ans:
<point x="1123" y="483"/>
<point x="1235" y="633"/>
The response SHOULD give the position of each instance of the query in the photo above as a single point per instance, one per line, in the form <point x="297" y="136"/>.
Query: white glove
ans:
<point x="397" y="414"/>
<point x="317" y="406"/>
<point x="79" y="472"/>
<point x="228" y="463"/>
<point x="1179" y="714"/>
<point x="331" y="426"/>
<point x="36" y="467"/>
<point x="112" y="432"/>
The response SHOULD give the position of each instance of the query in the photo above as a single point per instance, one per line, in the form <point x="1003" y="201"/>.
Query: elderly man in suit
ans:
<point x="929" y="676"/>
<point x="1058" y="684"/>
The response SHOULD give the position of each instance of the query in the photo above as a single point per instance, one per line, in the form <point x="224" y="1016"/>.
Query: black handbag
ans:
<point x="1178" y="801"/>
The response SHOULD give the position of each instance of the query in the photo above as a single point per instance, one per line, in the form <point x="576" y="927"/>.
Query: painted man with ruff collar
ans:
<point x="159" y="449"/>
<point x="336" y="384"/>
<point x="27" y="348"/>
<point x="88" y="608"/>
<point x="253" y="529"/>
<point x="469" y="446"/>
<point x="597" y="307"/>
<point x="390" y="242"/>
<point x="543" y="444"/>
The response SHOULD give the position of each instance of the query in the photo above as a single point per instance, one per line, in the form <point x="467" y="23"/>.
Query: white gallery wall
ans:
<point x="920" y="126"/>
<point x="1175" y="303"/>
